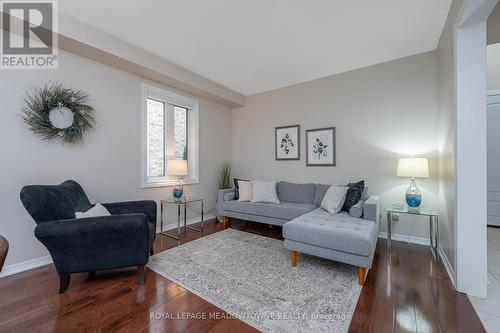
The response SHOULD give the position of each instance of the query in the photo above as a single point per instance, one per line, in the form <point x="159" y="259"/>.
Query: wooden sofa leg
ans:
<point x="140" y="274"/>
<point x="361" y="275"/>
<point x="63" y="282"/>
<point x="226" y="221"/>
<point x="294" y="258"/>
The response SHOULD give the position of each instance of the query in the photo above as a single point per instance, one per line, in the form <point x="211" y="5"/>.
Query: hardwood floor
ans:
<point x="404" y="292"/>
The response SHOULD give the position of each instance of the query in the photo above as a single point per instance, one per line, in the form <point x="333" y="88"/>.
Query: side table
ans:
<point x="183" y="202"/>
<point x="433" y="227"/>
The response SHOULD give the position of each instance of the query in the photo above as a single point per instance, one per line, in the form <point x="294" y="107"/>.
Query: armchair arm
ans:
<point x="224" y="195"/>
<point x="371" y="209"/>
<point x="147" y="207"/>
<point x="96" y="243"/>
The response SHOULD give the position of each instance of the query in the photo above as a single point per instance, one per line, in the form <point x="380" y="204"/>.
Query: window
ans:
<point x="170" y="131"/>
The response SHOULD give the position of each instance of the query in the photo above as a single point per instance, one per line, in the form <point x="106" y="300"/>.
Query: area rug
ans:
<point x="251" y="278"/>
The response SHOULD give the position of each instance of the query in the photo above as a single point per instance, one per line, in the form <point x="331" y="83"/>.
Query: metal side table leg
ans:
<point x="198" y="229"/>
<point x="161" y="225"/>
<point x="434" y="236"/>
<point x="185" y="219"/>
<point x="436" y="220"/>
<point x="161" y="217"/>
<point x="389" y="231"/>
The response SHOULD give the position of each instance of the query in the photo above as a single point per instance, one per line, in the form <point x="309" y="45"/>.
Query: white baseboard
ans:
<point x="424" y="241"/>
<point x="406" y="238"/>
<point x="447" y="265"/>
<point x="25" y="266"/>
<point x="171" y="226"/>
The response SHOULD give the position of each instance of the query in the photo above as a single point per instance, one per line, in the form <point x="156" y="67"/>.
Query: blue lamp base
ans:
<point x="177" y="191"/>
<point x="413" y="196"/>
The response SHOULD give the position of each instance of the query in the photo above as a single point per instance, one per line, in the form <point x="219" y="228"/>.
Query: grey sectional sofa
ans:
<point x="348" y="237"/>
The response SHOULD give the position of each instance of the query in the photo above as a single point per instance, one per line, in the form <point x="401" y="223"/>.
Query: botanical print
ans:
<point x="320" y="147"/>
<point x="287" y="145"/>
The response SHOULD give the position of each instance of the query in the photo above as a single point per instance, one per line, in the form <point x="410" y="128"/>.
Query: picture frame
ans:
<point x="287" y="143"/>
<point x="321" y="147"/>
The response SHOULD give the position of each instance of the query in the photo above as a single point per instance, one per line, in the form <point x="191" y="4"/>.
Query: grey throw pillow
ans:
<point x="357" y="209"/>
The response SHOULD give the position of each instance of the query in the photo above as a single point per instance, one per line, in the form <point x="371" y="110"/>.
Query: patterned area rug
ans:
<point x="251" y="278"/>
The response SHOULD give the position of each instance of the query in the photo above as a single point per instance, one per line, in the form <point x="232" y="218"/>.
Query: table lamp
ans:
<point x="412" y="167"/>
<point x="178" y="168"/>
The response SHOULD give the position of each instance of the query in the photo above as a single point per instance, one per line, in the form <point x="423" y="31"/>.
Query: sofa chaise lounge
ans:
<point x="348" y="237"/>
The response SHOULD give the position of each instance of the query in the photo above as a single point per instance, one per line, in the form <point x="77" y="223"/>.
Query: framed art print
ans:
<point x="287" y="143"/>
<point x="320" y="147"/>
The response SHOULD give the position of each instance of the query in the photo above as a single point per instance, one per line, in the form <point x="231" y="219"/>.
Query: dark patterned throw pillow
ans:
<point x="237" y="188"/>
<point x="353" y="195"/>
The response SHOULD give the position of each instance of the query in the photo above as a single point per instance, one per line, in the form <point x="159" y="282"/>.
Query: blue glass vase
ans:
<point x="177" y="191"/>
<point x="413" y="196"/>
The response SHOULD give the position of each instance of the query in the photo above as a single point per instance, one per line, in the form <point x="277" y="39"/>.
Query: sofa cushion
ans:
<point x="353" y="195"/>
<point x="245" y="191"/>
<point x="283" y="210"/>
<point x="264" y="191"/>
<point x="339" y="232"/>
<point x="357" y="209"/>
<point x="301" y="193"/>
<point x="334" y="199"/>
<point x="237" y="187"/>
<point x="319" y="194"/>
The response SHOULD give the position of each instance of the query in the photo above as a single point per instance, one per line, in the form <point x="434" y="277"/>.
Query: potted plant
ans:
<point x="224" y="181"/>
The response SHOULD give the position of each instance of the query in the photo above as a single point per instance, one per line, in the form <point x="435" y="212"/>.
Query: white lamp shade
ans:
<point x="177" y="168"/>
<point x="413" y="167"/>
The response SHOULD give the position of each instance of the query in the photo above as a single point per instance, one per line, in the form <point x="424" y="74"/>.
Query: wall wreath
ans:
<point x="56" y="112"/>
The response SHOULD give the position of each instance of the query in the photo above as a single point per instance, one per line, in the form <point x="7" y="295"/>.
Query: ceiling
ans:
<point x="252" y="46"/>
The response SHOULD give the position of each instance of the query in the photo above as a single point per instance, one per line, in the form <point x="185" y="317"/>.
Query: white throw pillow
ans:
<point x="97" y="210"/>
<point x="264" y="192"/>
<point x="334" y="199"/>
<point x="245" y="190"/>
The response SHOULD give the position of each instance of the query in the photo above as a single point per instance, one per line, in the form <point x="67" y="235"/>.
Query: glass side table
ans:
<point x="180" y="203"/>
<point x="433" y="227"/>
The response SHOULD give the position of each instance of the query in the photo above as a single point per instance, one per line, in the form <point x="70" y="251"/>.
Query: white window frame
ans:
<point x="168" y="97"/>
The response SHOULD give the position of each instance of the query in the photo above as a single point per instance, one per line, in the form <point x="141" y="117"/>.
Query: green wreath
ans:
<point x="42" y="106"/>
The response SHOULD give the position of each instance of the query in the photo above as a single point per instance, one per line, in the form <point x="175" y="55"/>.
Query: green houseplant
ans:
<point x="224" y="175"/>
<point x="224" y="181"/>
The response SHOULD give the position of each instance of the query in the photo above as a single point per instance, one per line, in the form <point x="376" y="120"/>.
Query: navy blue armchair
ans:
<point x="90" y="244"/>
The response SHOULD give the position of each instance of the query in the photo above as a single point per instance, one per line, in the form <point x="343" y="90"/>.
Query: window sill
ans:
<point x="170" y="183"/>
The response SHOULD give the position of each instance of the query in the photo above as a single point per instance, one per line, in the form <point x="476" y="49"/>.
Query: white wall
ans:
<point x="446" y="134"/>
<point x="107" y="164"/>
<point x="494" y="67"/>
<point x="380" y="113"/>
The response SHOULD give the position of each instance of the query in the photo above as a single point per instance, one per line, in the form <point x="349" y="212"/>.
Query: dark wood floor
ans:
<point x="404" y="292"/>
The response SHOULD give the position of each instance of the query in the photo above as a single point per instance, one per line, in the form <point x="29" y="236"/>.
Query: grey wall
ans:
<point x="107" y="164"/>
<point x="380" y="113"/>
<point x="494" y="26"/>
<point x="494" y="67"/>
<point x="446" y="134"/>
